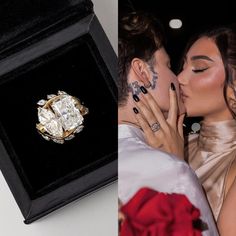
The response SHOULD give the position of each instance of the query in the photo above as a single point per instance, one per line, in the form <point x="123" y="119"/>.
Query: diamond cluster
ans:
<point x="60" y="115"/>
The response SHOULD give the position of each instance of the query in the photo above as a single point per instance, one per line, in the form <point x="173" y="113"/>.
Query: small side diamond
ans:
<point x="61" y="92"/>
<point x="46" y="137"/>
<point x="41" y="102"/>
<point x="60" y="141"/>
<point x="70" y="137"/>
<point x="51" y="96"/>
<point x="79" y="129"/>
<point x="85" y="110"/>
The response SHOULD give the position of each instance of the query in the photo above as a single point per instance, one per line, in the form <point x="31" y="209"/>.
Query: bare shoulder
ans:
<point x="230" y="198"/>
<point x="227" y="217"/>
<point x="232" y="190"/>
<point x="230" y="179"/>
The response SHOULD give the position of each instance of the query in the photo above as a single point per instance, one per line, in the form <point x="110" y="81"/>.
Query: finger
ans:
<point x="173" y="110"/>
<point x="145" y="111"/>
<point x="150" y="136"/>
<point x="180" y="125"/>
<point x="121" y="216"/>
<point x="154" y="107"/>
<point x="143" y="123"/>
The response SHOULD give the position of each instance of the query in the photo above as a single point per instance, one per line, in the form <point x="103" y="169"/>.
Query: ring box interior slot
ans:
<point x="47" y="46"/>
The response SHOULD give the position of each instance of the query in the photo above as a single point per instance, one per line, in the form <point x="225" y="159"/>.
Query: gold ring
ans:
<point x="60" y="117"/>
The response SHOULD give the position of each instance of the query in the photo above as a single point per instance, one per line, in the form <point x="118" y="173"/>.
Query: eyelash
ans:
<point x="199" y="70"/>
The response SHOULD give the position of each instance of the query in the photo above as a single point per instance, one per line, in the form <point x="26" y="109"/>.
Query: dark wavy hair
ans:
<point x="225" y="40"/>
<point x="140" y="35"/>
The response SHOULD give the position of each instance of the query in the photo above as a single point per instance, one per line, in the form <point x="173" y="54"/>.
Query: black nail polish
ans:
<point x="135" y="110"/>
<point x="172" y="86"/>
<point x="143" y="89"/>
<point x="136" y="98"/>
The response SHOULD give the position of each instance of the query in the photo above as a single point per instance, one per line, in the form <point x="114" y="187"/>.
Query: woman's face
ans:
<point x="165" y="77"/>
<point x="202" y="81"/>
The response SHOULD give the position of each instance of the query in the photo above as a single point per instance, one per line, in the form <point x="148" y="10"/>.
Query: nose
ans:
<point x="182" y="78"/>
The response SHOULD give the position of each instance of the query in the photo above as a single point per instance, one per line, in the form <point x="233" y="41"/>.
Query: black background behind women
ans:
<point x="196" y="16"/>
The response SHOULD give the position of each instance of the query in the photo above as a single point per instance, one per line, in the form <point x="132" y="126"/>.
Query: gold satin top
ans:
<point x="211" y="154"/>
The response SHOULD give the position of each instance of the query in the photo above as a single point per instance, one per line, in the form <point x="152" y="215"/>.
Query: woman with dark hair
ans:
<point x="208" y="88"/>
<point x="208" y="82"/>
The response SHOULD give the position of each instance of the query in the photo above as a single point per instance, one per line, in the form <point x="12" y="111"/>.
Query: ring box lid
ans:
<point x="22" y="22"/>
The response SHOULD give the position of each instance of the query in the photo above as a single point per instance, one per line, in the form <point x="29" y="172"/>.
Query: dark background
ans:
<point x="196" y="16"/>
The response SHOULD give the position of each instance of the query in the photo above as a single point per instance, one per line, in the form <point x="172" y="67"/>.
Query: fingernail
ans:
<point x="135" y="110"/>
<point x="172" y="86"/>
<point x="143" y="89"/>
<point x="136" y="98"/>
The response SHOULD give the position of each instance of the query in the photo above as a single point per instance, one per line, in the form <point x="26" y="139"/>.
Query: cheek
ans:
<point x="162" y="97"/>
<point x="206" y="94"/>
<point x="211" y="83"/>
<point x="162" y="89"/>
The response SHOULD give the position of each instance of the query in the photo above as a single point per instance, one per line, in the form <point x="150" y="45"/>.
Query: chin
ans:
<point x="182" y="110"/>
<point x="191" y="113"/>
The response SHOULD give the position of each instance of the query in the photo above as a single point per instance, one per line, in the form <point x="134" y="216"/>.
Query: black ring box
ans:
<point x="48" y="46"/>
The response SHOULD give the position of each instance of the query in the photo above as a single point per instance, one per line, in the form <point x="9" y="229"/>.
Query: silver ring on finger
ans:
<point x="155" y="127"/>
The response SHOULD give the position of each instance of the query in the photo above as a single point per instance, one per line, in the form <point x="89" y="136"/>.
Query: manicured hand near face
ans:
<point x="160" y="133"/>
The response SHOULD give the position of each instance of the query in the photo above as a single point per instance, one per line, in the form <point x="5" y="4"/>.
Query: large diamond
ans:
<point x="54" y="128"/>
<point x="50" y="122"/>
<point x="67" y="113"/>
<point x="45" y="115"/>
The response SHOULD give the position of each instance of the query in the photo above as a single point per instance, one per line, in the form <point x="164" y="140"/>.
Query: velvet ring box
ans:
<point x="63" y="48"/>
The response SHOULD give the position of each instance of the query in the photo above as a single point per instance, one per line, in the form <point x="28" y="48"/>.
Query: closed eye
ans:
<point x="199" y="70"/>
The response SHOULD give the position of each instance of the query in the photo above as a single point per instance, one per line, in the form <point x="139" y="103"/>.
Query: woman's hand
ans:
<point x="165" y="134"/>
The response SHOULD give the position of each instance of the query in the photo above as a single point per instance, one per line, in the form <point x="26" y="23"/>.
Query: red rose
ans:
<point x="151" y="213"/>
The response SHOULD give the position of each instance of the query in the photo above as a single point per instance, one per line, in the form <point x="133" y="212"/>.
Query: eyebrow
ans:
<point x="199" y="57"/>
